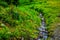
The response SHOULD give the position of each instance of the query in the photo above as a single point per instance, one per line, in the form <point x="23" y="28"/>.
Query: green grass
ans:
<point x="24" y="19"/>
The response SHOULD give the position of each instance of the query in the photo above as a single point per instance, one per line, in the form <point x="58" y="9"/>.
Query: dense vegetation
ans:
<point x="20" y="18"/>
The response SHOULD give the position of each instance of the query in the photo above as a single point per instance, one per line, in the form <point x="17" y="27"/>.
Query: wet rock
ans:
<point x="57" y="34"/>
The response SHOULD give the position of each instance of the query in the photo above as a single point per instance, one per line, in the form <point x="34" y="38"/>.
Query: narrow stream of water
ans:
<point x="42" y="29"/>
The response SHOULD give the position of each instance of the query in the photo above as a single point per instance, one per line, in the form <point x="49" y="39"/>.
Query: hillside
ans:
<point x="20" y="20"/>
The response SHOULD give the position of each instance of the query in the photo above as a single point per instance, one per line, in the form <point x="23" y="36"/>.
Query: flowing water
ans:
<point x="42" y="29"/>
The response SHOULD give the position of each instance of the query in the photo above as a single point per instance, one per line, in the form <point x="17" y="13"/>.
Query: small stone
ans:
<point x="2" y="25"/>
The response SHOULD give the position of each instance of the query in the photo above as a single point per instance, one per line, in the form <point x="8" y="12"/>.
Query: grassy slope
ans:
<point x="18" y="22"/>
<point x="51" y="10"/>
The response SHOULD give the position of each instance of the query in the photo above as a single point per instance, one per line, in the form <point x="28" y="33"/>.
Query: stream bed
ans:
<point x="43" y="32"/>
